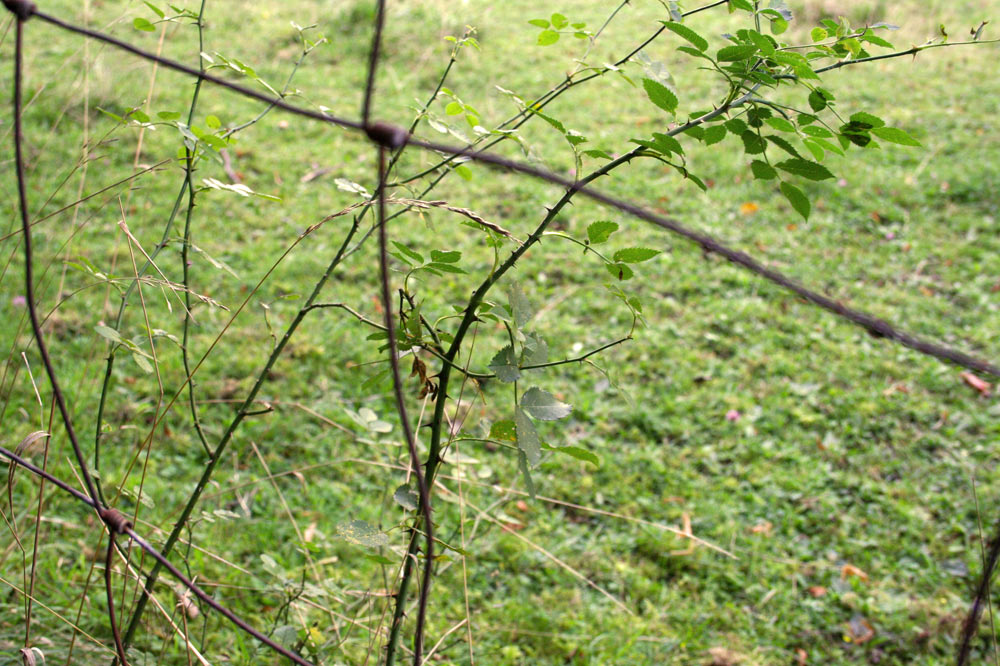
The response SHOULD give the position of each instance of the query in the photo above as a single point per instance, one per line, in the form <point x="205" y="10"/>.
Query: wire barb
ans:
<point x="22" y="9"/>
<point x="116" y="521"/>
<point x="387" y="135"/>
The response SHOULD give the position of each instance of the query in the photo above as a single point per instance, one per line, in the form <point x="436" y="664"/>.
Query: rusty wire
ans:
<point x="390" y="137"/>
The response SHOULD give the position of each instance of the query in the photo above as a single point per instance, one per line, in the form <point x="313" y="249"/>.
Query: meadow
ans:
<point x="744" y="478"/>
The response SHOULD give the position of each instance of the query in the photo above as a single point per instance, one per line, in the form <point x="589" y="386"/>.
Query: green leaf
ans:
<point x="667" y="144"/>
<point x="818" y="34"/>
<point x="547" y="37"/>
<point x="142" y="362"/>
<point x="895" y="135"/>
<point x="763" y="42"/>
<point x="715" y="134"/>
<point x="578" y="453"/>
<point x="445" y="268"/>
<point x="736" y="52"/>
<point x="559" y="21"/>
<point x="660" y="95"/>
<point x="503" y="431"/>
<point x="536" y="350"/>
<point x="520" y="307"/>
<point x="817" y="100"/>
<point x="168" y="115"/>
<point x="598" y="153"/>
<point x="634" y="255"/>
<point x="763" y="170"/>
<point x="798" y="199"/>
<point x="504" y="365"/>
<point x="213" y="122"/>
<point x="408" y="252"/>
<point x="736" y="126"/>
<point x="687" y="33"/>
<point x="522" y="463"/>
<point x="527" y="437"/>
<point x="540" y="23"/>
<point x="362" y="534"/>
<point x="143" y="24"/>
<point x="449" y="257"/>
<point x="406" y="498"/>
<point x="753" y="143"/>
<point x="867" y="119"/>
<point x="620" y="271"/>
<point x="156" y="10"/>
<point x="780" y="124"/>
<point x="454" y="109"/>
<point x="543" y="405"/>
<point x="599" y="232"/>
<point x="805" y="168"/>
<point x="108" y="332"/>
<point x="818" y="132"/>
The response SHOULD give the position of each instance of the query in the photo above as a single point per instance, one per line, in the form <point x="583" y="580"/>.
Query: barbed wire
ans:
<point x="388" y="137"/>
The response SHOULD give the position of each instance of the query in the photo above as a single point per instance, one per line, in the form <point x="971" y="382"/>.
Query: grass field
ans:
<point x="843" y="487"/>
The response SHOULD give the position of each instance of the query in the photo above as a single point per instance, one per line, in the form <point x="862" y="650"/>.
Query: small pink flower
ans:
<point x="890" y="235"/>
<point x="842" y="182"/>
<point x="732" y="415"/>
<point x="18" y="301"/>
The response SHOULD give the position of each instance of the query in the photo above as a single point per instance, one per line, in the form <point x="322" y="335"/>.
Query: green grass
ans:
<point x="849" y="452"/>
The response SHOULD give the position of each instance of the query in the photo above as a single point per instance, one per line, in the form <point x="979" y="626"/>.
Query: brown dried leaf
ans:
<point x="980" y="385"/>
<point x="849" y="570"/>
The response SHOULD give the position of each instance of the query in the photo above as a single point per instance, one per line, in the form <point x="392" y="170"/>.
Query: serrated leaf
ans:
<point x="536" y="350"/>
<point x="522" y="463"/>
<point x="780" y="124"/>
<point x="527" y="437"/>
<point x="520" y="307"/>
<point x="736" y="52"/>
<point x="736" y="126"/>
<point x="667" y="144"/>
<point x="547" y="37"/>
<point x="416" y="256"/>
<point x="362" y="534"/>
<point x="687" y="33"/>
<point x="620" y="271"/>
<point x="867" y="119"/>
<point x="143" y="24"/>
<point x="763" y="170"/>
<point x="714" y="134"/>
<point x="753" y="144"/>
<point x="108" y="332"/>
<point x="504" y="365"/>
<point x="599" y="232"/>
<point x="817" y="101"/>
<point x="805" y="168"/>
<point x="543" y="405"/>
<point x="660" y="95"/>
<point x="895" y="135"/>
<point x="503" y="431"/>
<point x="444" y="268"/>
<point x="578" y="453"/>
<point x="446" y="257"/>
<point x="798" y="199"/>
<point x="406" y="498"/>
<point x="634" y="255"/>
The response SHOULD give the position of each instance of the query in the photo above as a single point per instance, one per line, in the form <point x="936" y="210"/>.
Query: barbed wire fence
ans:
<point x="389" y="139"/>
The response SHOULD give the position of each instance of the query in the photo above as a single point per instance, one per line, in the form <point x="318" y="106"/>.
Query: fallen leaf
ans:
<point x="859" y="630"/>
<point x="849" y="570"/>
<point x="801" y="657"/>
<point x="725" y="657"/>
<point x="817" y="591"/>
<point x="975" y="382"/>
<point x="764" y="527"/>
<point x="749" y="208"/>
